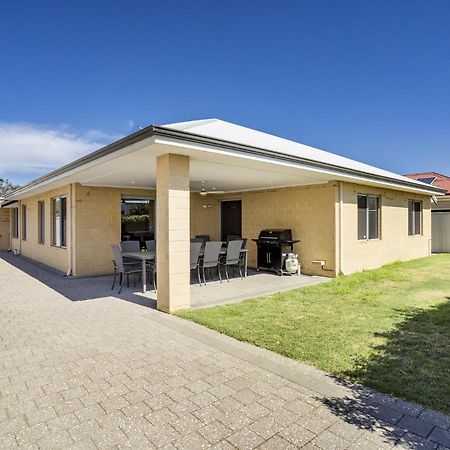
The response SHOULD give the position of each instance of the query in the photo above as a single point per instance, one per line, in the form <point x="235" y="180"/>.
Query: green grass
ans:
<point x="387" y="328"/>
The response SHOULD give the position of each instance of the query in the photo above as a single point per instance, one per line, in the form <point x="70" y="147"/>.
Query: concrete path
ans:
<point x="254" y="285"/>
<point x="106" y="373"/>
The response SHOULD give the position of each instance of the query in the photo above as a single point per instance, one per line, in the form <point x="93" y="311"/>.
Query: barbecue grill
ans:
<point x="273" y="245"/>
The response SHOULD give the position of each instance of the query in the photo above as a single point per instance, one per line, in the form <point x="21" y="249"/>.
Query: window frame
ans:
<point x="367" y="217"/>
<point x="58" y="240"/>
<point x="23" y="235"/>
<point x="412" y="217"/>
<point x="41" y="222"/>
<point x="15" y="223"/>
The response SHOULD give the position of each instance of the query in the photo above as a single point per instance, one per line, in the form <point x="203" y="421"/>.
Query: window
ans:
<point x="15" y="222"/>
<point x="41" y="222"/>
<point x="414" y="217"/>
<point x="59" y="221"/>
<point x="24" y="222"/>
<point x="368" y="217"/>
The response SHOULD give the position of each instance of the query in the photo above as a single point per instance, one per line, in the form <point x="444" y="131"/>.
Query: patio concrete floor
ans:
<point x="108" y="374"/>
<point x="214" y="293"/>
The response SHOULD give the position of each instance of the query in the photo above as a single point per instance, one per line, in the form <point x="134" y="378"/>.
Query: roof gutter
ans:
<point x="154" y="130"/>
<point x="5" y="203"/>
<point x="257" y="151"/>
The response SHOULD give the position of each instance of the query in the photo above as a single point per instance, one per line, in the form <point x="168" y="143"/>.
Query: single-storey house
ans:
<point x="216" y="178"/>
<point x="440" y="210"/>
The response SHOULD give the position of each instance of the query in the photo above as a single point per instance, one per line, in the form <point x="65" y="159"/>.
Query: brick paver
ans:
<point x="107" y="373"/>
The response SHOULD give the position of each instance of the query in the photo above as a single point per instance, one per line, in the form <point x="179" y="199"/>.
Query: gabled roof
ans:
<point x="436" y="179"/>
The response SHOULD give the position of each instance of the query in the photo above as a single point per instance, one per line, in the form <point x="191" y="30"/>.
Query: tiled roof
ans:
<point x="437" y="179"/>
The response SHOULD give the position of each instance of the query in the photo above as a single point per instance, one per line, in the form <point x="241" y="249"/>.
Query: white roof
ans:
<point x="220" y="129"/>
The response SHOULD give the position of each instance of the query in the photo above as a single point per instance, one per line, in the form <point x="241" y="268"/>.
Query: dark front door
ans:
<point x="231" y="219"/>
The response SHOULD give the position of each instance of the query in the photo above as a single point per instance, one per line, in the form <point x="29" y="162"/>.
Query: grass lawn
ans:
<point x="387" y="328"/>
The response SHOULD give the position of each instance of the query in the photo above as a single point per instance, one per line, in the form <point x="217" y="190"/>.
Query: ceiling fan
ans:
<point x="204" y="191"/>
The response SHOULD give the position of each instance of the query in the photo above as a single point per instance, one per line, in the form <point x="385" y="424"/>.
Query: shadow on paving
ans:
<point x="78" y="289"/>
<point x="413" y="363"/>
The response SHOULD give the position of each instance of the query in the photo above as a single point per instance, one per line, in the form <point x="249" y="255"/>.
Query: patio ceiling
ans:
<point x="218" y="171"/>
<point x="135" y="167"/>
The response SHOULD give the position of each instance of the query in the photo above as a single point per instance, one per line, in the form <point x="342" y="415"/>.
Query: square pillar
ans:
<point x="172" y="232"/>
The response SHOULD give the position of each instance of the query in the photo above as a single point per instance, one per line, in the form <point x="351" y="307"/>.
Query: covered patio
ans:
<point x="188" y="183"/>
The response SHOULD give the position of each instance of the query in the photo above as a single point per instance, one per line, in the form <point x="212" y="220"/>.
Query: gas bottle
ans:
<point x="292" y="265"/>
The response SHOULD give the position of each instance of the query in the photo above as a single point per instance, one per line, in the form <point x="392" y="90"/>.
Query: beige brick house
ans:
<point x="216" y="178"/>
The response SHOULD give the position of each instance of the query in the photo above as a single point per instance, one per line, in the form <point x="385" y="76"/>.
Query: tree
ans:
<point x="7" y="186"/>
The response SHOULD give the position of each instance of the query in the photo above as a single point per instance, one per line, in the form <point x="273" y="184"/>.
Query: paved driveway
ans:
<point x="108" y="373"/>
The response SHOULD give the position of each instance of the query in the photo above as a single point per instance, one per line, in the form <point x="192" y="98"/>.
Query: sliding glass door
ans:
<point x="137" y="219"/>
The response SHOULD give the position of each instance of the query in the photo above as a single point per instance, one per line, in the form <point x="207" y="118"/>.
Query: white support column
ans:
<point x="172" y="232"/>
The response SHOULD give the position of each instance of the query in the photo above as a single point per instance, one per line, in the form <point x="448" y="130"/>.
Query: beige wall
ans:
<point x="205" y="220"/>
<point x="45" y="253"/>
<point x="311" y="211"/>
<point x="97" y="226"/>
<point x="313" y="214"/>
<point x="394" y="243"/>
<point x="308" y="210"/>
<point x="4" y="229"/>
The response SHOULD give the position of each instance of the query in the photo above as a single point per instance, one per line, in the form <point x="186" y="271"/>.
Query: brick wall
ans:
<point x="4" y="229"/>
<point x="45" y="253"/>
<point x="394" y="243"/>
<point x="308" y="210"/>
<point x="311" y="211"/>
<point x="97" y="226"/>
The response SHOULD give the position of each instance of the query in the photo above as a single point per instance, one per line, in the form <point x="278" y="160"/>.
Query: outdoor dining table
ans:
<point x="150" y="256"/>
<point x="143" y="257"/>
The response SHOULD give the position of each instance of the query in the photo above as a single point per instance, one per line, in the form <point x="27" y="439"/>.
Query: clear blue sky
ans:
<point x="366" y="79"/>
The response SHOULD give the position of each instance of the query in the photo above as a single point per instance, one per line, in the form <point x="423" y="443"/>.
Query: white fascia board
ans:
<point x="329" y="172"/>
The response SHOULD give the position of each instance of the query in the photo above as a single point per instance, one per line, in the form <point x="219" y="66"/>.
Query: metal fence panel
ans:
<point x="440" y="231"/>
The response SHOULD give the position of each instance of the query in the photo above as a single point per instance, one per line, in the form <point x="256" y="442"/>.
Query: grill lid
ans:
<point x="276" y="234"/>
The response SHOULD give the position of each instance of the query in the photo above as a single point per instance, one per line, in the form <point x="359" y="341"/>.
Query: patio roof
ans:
<point x="224" y="156"/>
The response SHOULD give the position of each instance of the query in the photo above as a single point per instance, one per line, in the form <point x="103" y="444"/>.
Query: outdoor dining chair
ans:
<point x="196" y="248"/>
<point x="210" y="258"/>
<point x="130" y="246"/>
<point x="242" y="255"/>
<point x="232" y="257"/>
<point x="151" y="245"/>
<point x="123" y="268"/>
<point x="203" y="237"/>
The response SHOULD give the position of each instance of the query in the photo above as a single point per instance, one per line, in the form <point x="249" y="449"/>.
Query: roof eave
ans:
<point x="154" y="130"/>
<point x="191" y="137"/>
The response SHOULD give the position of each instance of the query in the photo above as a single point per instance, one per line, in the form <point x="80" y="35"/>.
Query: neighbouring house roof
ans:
<point x="433" y="178"/>
<point x="213" y="136"/>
